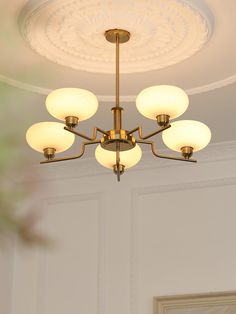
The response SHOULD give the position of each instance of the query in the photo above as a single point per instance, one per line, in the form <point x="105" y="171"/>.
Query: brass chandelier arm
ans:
<point x="93" y="138"/>
<point x="140" y="132"/>
<point x="164" y="156"/>
<point x="83" y="145"/>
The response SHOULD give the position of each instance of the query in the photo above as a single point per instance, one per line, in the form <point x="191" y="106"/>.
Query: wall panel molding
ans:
<point x="39" y="258"/>
<point x="124" y="98"/>
<point x="157" y="189"/>
<point x="100" y="242"/>
<point x="88" y="167"/>
<point x="152" y="176"/>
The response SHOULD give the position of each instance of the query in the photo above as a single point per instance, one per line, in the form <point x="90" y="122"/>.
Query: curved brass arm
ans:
<point x="93" y="138"/>
<point x="83" y="144"/>
<point x="164" y="156"/>
<point x="140" y="132"/>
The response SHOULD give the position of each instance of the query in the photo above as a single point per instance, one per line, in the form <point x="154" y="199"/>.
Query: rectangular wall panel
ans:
<point x="64" y="277"/>
<point x="69" y="272"/>
<point x="182" y="242"/>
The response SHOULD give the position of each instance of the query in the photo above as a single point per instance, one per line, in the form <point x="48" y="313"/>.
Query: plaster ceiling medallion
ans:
<point x="71" y="33"/>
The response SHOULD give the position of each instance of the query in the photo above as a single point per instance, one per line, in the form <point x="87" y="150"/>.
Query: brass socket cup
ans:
<point x="71" y="122"/>
<point x="49" y="153"/>
<point x="122" y="169"/>
<point x="163" y="120"/>
<point x="187" y="152"/>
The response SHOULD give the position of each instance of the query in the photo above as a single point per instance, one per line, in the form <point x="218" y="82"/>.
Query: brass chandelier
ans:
<point x="118" y="148"/>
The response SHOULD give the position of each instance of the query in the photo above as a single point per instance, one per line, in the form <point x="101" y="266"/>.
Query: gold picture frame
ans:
<point x="201" y="302"/>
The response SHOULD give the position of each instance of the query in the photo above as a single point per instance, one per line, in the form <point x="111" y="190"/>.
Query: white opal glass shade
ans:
<point x="162" y="99"/>
<point x="128" y="158"/>
<point x="49" y="135"/>
<point x="187" y="133"/>
<point x="76" y="102"/>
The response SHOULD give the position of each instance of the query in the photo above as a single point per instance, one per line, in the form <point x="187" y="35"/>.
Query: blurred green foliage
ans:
<point x="12" y="164"/>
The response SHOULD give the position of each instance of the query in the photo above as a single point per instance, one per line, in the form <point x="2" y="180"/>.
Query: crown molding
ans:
<point x="110" y="98"/>
<point x="88" y="167"/>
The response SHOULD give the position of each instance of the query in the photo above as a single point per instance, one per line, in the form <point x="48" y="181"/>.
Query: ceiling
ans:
<point x="172" y="230"/>
<point x="208" y="73"/>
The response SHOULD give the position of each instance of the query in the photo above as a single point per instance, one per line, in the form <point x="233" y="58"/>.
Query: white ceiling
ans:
<point x="208" y="76"/>
<point x="214" y="63"/>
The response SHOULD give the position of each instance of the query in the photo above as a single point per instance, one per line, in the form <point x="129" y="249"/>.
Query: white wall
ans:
<point x="167" y="228"/>
<point x="6" y="279"/>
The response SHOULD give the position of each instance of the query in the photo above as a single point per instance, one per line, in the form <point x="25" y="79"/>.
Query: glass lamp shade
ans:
<point x="128" y="158"/>
<point x="75" y="102"/>
<point x="187" y="133"/>
<point x="49" y="135"/>
<point x="162" y="99"/>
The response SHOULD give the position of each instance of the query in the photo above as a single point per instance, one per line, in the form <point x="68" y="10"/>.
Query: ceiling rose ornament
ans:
<point x="118" y="148"/>
<point x="70" y="33"/>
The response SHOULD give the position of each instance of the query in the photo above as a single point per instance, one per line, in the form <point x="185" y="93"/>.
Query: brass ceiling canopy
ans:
<point x="123" y="35"/>
<point x="118" y="148"/>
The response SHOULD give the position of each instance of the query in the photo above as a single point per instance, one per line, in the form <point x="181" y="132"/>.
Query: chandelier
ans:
<point x="118" y="149"/>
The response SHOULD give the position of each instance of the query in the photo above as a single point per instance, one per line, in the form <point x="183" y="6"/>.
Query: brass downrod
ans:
<point x="117" y="69"/>
<point x="117" y="36"/>
<point x="117" y="110"/>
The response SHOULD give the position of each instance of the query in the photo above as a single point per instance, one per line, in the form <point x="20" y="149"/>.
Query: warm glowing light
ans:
<point x="128" y="158"/>
<point x="187" y="133"/>
<point x="49" y="135"/>
<point x="76" y="102"/>
<point x="162" y="99"/>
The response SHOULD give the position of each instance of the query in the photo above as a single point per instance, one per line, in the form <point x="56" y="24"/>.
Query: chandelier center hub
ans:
<point x="118" y="139"/>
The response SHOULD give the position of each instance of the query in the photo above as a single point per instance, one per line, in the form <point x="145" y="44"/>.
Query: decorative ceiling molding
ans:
<point x="71" y="33"/>
<point x="110" y="98"/>
<point x="34" y="73"/>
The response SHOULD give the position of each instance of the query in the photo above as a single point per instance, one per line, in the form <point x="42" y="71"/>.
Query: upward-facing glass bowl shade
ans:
<point x="128" y="158"/>
<point x="75" y="102"/>
<point x="162" y="99"/>
<point x="187" y="133"/>
<point x="49" y="135"/>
